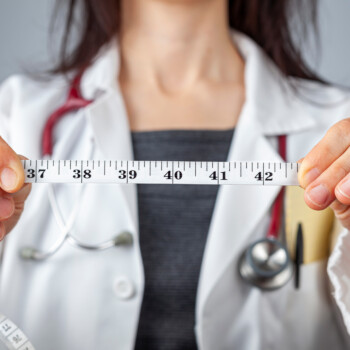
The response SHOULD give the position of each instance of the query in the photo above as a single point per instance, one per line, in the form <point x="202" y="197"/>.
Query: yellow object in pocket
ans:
<point x="317" y="226"/>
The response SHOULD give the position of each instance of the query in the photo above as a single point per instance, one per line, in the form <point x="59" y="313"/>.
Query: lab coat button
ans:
<point x="124" y="288"/>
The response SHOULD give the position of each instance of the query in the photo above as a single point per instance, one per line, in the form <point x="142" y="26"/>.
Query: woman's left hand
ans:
<point x="325" y="173"/>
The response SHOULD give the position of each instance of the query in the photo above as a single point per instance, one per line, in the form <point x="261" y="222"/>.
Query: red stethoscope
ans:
<point x="74" y="102"/>
<point x="265" y="263"/>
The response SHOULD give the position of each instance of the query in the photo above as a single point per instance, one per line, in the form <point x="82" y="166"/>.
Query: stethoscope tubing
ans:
<point x="74" y="102"/>
<point x="254" y="265"/>
<point x="123" y="238"/>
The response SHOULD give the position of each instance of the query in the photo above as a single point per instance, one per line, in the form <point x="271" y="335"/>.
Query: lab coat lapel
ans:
<point x="108" y="116"/>
<point x="112" y="136"/>
<point x="271" y="109"/>
<point x="238" y="209"/>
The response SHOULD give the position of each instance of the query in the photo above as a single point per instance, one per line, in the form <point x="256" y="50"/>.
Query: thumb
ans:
<point x="11" y="169"/>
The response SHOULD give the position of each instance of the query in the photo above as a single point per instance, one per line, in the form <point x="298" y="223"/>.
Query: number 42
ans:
<point x="268" y="176"/>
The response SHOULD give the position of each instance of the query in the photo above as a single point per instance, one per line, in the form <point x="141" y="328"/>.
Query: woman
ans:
<point x="170" y="79"/>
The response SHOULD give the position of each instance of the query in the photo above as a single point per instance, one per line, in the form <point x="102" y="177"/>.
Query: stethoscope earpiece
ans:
<point x="28" y="253"/>
<point x="124" y="238"/>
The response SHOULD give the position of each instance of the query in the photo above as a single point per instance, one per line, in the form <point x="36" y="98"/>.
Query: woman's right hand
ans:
<point x="13" y="191"/>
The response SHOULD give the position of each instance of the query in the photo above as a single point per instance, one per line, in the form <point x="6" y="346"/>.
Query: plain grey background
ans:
<point x="24" y="40"/>
<point x="23" y="34"/>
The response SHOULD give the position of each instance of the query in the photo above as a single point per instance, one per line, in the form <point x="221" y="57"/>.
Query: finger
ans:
<point x="2" y="231"/>
<point x="11" y="169"/>
<point x="342" y="190"/>
<point x="321" y="192"/>
<point x="342" y="212"/>
<point x="21" y="195"/>
<point x="332" y="146"/>
<point x="299" y="162"/>
<point x="18" y="200"/>
<point x="7" y="205"/>
<point x="10" y="214"/>
<point x="11" y="222"/>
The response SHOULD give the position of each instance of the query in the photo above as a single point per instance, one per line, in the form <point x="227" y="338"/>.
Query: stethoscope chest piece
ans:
<point x="266" y="264"/>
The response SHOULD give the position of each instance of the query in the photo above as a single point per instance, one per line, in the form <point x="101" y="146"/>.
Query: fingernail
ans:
<point x="344" y="188"/>
<point x="8" y="179"/>
<point x="318" y="195"/>
<point x="311" y="175"/>
<point x="6" y="207"/>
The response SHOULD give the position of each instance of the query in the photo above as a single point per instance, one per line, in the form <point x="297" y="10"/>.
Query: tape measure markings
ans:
<point x="161" y="172"/>
<point x="263" y="174"/>
<point x="12" y="336"/>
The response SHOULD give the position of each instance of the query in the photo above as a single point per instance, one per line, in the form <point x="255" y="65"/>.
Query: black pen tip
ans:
<point x="299" y="254"/>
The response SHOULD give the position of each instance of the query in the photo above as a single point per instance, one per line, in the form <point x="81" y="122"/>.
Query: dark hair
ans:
<point x="265" y="21"/>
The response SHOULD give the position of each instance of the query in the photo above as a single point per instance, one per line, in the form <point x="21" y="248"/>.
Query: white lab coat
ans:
<point x="88" y="300"/>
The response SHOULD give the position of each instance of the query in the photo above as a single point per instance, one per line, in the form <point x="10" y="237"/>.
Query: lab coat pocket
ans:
<point x="317" y="227"/>
<point x="309" y="318"/>
<point x="309" y="309"/>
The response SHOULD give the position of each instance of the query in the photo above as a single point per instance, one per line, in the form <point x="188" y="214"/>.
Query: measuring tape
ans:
<point x="11" y="337"/>
<point x="161" y="172"/>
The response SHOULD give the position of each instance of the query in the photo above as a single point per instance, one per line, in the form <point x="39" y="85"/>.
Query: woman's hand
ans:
<point x="13" y="191"/>
<point x="325" y="173"/>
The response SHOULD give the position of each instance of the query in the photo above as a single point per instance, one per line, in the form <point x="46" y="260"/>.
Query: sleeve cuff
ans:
<point x="339" y="274"/>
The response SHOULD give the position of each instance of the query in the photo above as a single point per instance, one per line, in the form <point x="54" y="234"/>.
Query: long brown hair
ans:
<point x="265" y="21"/>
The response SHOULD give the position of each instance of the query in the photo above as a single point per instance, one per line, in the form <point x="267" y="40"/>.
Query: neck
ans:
<point x="173" y="44"/>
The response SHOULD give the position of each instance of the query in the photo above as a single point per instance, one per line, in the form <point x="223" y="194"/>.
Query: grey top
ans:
<point x="173" y="223"/>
